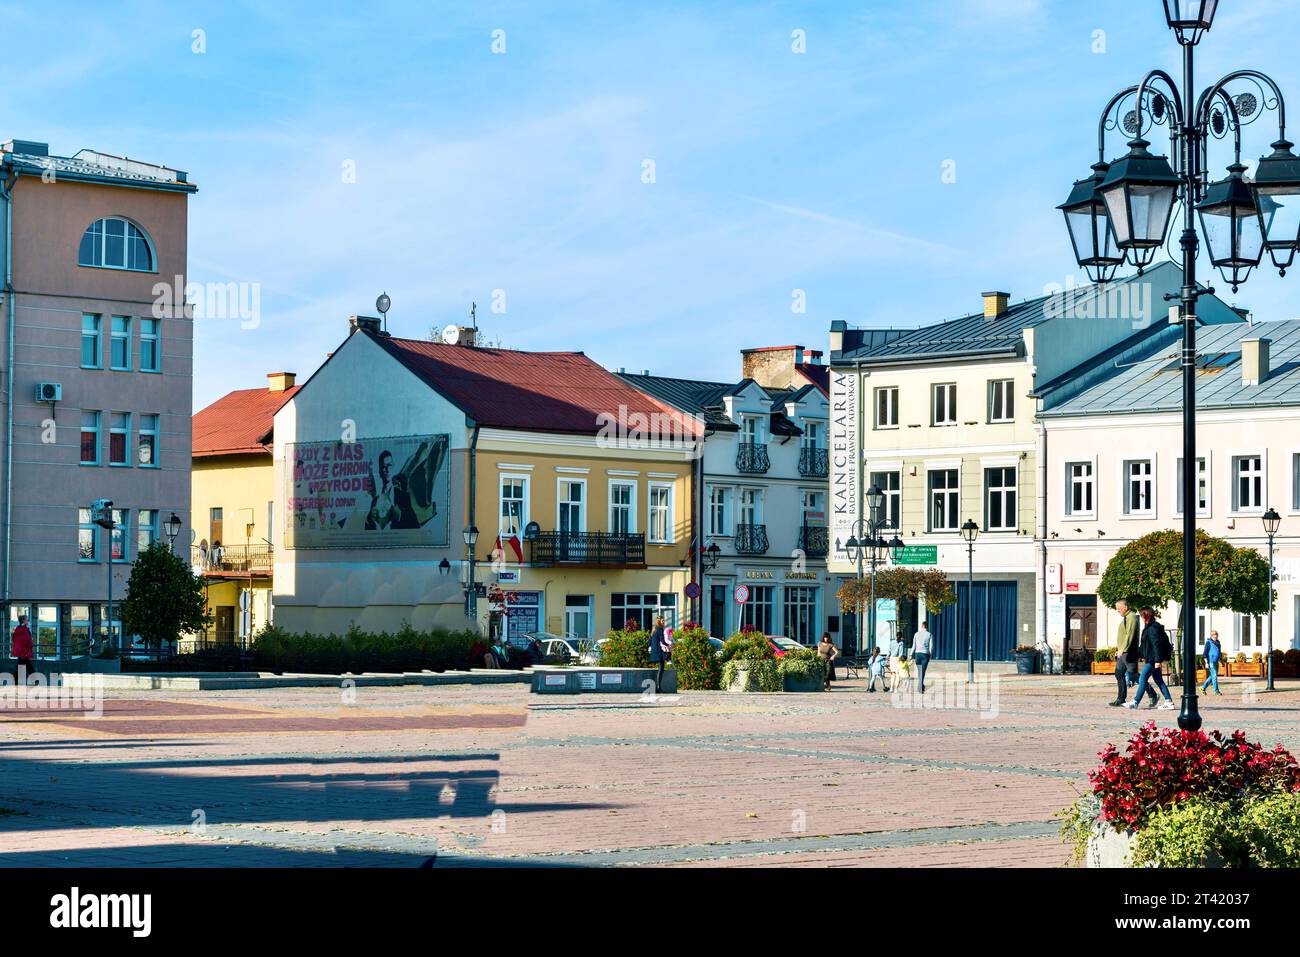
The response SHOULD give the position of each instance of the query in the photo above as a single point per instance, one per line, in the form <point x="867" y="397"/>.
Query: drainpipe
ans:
<point x="7" y="195"/>
<point x="697" y="561"/>
<point x="471" y="596"/>
<point x="1041" y="572"/>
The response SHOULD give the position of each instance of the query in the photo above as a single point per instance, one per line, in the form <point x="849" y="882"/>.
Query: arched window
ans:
<point x="115" y="243"/>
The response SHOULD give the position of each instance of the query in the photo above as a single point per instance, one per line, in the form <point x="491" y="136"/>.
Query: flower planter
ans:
<point x="1026" y="662"/>
<point x="796" y="683"/>
<point x="1103" y="668"/>
<point x="1109" y="848"/>
<point x="1283" y="670"/>
<point x="740" y="682"/>
<point x="1248" y="669"/>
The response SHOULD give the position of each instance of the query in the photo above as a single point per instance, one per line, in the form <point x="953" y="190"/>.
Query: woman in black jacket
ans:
<point x="1155" y="648"/>
<point x="658" y="652"/>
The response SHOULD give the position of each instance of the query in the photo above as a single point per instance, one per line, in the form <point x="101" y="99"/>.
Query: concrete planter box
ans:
<point x="803" y="684"/>
<point x="594" y="680"/>
<point x="1109" y="848"/>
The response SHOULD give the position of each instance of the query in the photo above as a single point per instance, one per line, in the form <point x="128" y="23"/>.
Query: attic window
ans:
<point x="1207" y="362"/>
<point x="115" y="243"/>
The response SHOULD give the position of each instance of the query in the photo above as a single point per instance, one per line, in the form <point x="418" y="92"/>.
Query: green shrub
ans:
<point x="698" y="668"/>
<point x="405" y="650"/>
<point x="1103" y="654"/>
<point x="761" y="674"/>
<point x="802" y="664"/>
<point x="626" y="649"/>
<point x="1271" y="829"/>
<point x="1198" y="832"/>
<point x="746" y="644"/>
<point x="1292" y="656"/>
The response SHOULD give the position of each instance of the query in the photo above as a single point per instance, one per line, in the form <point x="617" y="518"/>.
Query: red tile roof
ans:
<point x="818" y="375"/>
<point x="537" y="391"/>
<point x="238" y="422"/>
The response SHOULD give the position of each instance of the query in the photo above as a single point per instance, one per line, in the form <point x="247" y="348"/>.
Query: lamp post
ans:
<point x="969" y="532"/>
<point x="865" y="545"/>
<point x="1271" y="522"/>
<point x="1240" y="219"/>
<point x="471" y="587"/>
<point x="173" y="528"/>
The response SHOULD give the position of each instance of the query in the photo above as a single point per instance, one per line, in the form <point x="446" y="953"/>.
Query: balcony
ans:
<point x="813" y="540"/>
<point x="751" y="539"/>
<point x="598" y="549"/>
<point x="233" y="561"/>
<point x="751" y="458"/>
<point x="814" y="463"/>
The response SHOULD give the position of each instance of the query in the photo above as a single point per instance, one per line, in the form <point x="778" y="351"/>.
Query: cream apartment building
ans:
<point x="1114" y="461"/>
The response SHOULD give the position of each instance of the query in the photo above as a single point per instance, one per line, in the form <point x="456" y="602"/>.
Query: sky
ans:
<point x="656" y="185"/>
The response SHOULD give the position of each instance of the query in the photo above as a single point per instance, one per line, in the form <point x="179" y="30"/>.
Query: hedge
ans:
<point x="698" y="668"/>
<point x="277" y="650"/>
<point x="626" y="649"/>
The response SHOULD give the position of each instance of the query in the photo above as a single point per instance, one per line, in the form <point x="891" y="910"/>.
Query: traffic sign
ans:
<point x="918" y="555"/>
<point x="693" y="591"/>
<point x="742" y="594"/>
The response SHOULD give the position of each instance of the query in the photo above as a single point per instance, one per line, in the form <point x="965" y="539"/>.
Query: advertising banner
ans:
<point x="844" y="456"/>
<point x="369" y="493"/>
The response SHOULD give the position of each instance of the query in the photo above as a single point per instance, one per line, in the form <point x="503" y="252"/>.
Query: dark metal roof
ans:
<point x="690" y="395"/>
<point x="1153" y="383"/>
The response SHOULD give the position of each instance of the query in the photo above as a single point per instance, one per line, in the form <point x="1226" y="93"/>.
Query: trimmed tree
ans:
<point x="163" y="598"/>
<point x="900" y="583"/>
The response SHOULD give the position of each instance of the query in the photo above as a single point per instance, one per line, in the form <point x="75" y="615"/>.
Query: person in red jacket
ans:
<point x="21" y="646"/>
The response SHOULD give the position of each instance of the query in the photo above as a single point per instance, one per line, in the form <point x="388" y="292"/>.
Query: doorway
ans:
<point x="1080" y="632"/>
<point x="225" y="624"/>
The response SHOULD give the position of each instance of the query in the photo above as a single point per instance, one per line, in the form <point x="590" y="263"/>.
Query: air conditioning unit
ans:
<point x="49" y="392"/>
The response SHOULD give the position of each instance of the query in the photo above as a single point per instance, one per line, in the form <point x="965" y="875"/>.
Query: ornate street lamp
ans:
<point x="173" y="528"/>
<point x="1088" y="221"/>
<point x="1239" y="219"/>
<point x="1272" y="520"/>
<point x="712" y="555"/>
<point x="470" y="535"/>
<point x="969" y="532"/>
<point x="1232" y="225"/>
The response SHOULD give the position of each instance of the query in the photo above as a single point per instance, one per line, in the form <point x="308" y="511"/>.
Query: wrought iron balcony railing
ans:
<point x="240" y="560"/>
<point x="814" y="463"/>
<point x="751" y="539"/>
<point x="752" y="458"/>
<point x="813" y="540"/>
<point x="588" y="548"/>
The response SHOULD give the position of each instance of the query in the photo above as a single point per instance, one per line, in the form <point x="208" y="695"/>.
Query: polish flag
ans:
<point x="516" y="546"/>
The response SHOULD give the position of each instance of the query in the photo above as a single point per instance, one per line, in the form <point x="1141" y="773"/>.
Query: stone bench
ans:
<point x="593" y="680"/>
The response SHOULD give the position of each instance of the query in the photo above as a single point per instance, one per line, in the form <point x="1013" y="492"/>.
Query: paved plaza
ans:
<point x="484" y="776"/>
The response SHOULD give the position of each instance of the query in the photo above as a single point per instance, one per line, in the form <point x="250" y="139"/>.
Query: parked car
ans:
<point x="780" y="645"/>
<point x="557" y="650"/>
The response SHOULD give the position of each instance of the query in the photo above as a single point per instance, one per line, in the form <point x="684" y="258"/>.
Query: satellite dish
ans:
<point x="383" y="303"/>
<point x="451" y="335"/>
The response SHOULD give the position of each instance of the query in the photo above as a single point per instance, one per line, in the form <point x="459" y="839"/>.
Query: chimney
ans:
<point x="771" y="367"/>
<point x="995" y="304"/>
<point x="838" y="328"/>
<point x="1254" y="361"/>
<point x="280" y="381"/>
<point x="369" y="323"/>
<point x="813" y="357"/>
<point x="26" y="148"/>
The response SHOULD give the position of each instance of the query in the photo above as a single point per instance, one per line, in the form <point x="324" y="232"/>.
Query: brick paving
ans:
<point x="488" y="775"/>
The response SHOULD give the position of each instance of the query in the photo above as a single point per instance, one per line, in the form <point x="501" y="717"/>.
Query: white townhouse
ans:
<point x="1114" y="466"/>
<point x="761" y="517"/>
<point x="942" y="419"/>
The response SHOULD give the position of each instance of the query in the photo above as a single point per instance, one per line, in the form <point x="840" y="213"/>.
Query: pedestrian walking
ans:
<point x="1126" y="653"/>
<point x="903" y="675"/>
<point x="921" y="650"/>
<point x="876" y="669"/>
<point x="659" y="649"/>
<point x="1213" y="655"/>
<point x="21" y="646"/>
<point x="1155" y="648"/>
<point x="897" y="652"/>
<point x="826" y="648"/>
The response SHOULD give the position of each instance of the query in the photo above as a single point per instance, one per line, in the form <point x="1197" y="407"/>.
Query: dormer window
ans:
<point x="115" y="243"/>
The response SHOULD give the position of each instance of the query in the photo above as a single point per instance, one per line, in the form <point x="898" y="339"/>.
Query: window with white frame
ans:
<point x="814" y="433"/>
<point x="572" y="506"/>
<point x="1081" y="489"/>
<point x="622" y="507"/>
<point x="812" y="505"/>
<point x="890" y="483"/>
<point x="751" y="506"/>
<point x="114" y="243"/>
<point x="719" y="510"/>
<point x="944" y="494"/>
<point x="799" y="613"/>
<point x="887" y="407"/>
<point x="1202" y="487"/>
<point x="751" y="430"/>
<point x="514" y="505"/>
<point x="1250" y="631"/>
<point x="146" y="523"/>
<point x="87" y="537"/>
<point x="758" y="611"/>
<point x="1002" y="400"/>
<point x="660" y="525"/>
<point x="943" y="404"/>
<point x="1000" y="499"/>
<point x="1138" y="487"/>
<point x="1247" y="483"/>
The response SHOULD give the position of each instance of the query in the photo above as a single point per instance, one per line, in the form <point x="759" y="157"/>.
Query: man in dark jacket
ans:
<point x="1155" y="648"/>
<point x="1126" y="653"/>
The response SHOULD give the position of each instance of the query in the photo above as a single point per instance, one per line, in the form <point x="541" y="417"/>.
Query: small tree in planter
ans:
<point x="698" y="668"/>
<point x="163" y="598"/>
<point x="900" y="583"/>
<point x="749" y="664"/>
<point x="626" y="648"/>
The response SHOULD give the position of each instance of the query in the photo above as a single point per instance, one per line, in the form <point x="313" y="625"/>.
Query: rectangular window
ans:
<point x="887" y="408"/>
<point x="799" y="614"/>
<point x="641" y="609"/>
<point x="1001" y="400"/>
<point x="719" y="511"/>
<point x="622" y="508"/>
<point x="891" y="484"/>
<point x="751" y="506"/>
<point x="1202" y="487"/>
<point x="91" y="342"/>
<point x="89" y="438"/>
<point x="758" y="612"/>
<point x="46" y="631"/>
<point x="148" y="448"/>
<point x="150" y="345"/>
<point x="216" y="526"/>
<point x="121" y="530"/>
<point x="1000" y="499"/>
<point x="87" y="537"/>
<point x="79" y="630"/>
<point x="943" y="404"/>
<point x="1250" y="631"/>
<point x="813" y="432"/>
<point x="572" y="506"/>
<point x="812" y="502"/>
<point x="944" y="500"/>
<point x="1247" y="483"/>
<point x="1079" y="495"/>
<point x="147" y="529"/>
<point x="1295" y="483"/>
<point x="751" y="430"/>
<point x="1137" y="487"/>
<point x="514" y="506"/>
<point x="660" y="525"/>
<point x="120" y="354"/>
<point x="119" y="437"/>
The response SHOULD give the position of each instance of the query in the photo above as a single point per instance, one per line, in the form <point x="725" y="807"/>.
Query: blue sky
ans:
<point x="523" y="171"/>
